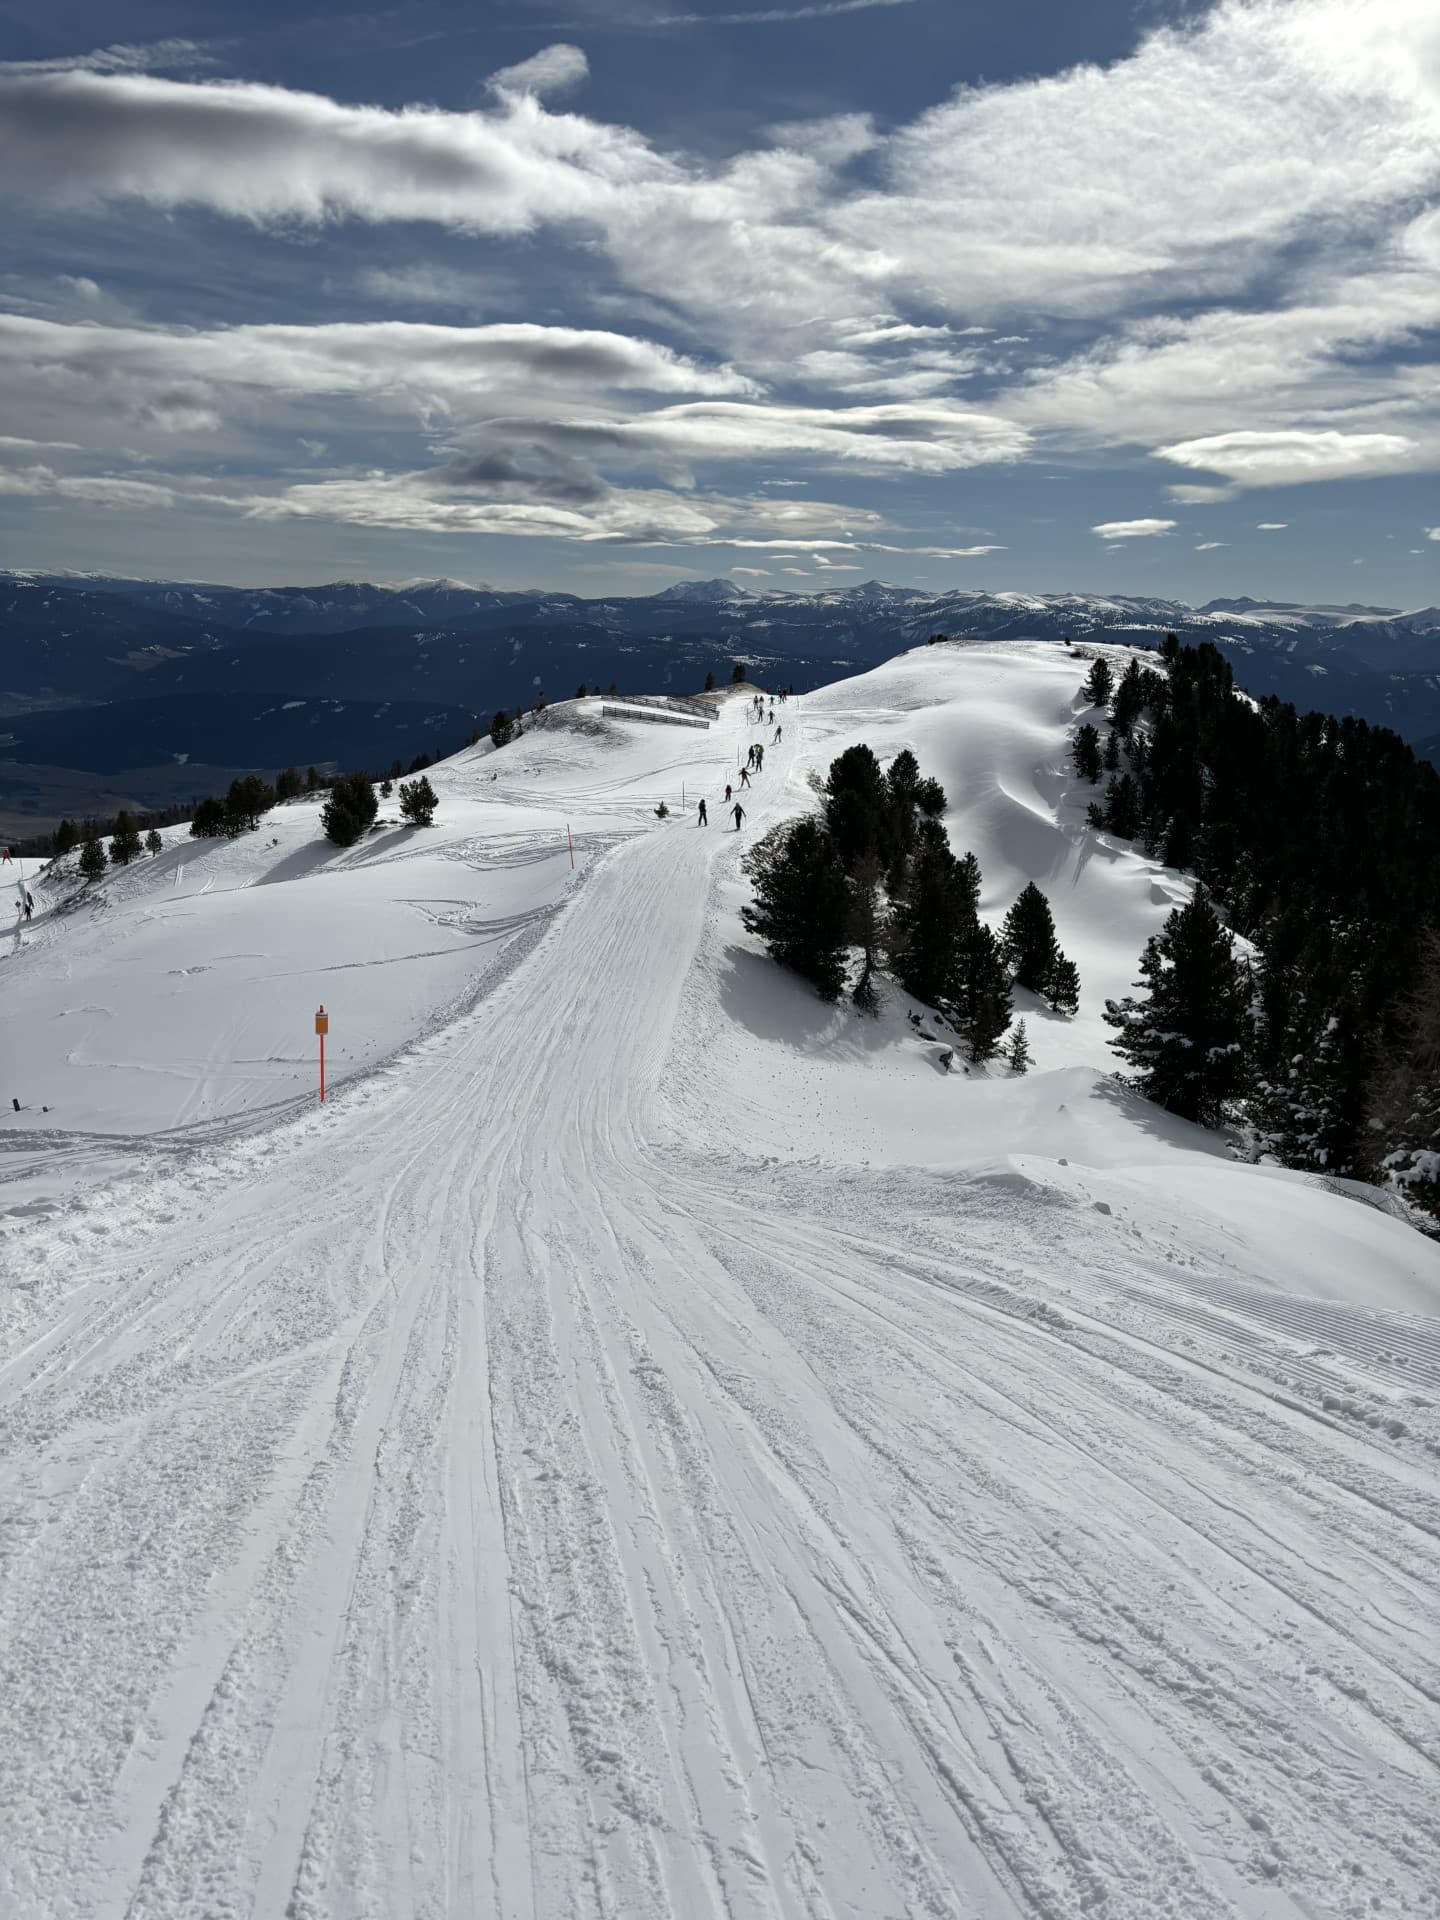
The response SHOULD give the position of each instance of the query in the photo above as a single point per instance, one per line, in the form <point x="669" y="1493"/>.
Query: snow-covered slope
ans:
<point x="651" y="1446"/>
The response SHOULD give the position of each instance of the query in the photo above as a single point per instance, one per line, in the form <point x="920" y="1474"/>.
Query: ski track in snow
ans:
<point x="472" y="1499"/>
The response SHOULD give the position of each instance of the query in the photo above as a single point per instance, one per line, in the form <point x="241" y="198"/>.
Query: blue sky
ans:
<point x="607" y="293"/>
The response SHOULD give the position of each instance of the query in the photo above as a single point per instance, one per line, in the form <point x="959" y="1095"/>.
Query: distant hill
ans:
<point x="255" y="732"/>
<point x="68" y="640"/>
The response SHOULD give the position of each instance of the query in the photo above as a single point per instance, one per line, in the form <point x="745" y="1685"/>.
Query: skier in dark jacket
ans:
<point x="704" y="817"/>
<point x="727" y="796"/>
<point x="744" y="777"/>
<point x="739" y="813"/>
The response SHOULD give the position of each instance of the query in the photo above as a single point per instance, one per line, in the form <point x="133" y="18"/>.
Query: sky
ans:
<point x="603" y="294"/>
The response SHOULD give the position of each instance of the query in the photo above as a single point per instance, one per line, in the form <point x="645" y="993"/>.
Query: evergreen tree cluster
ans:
<point x="873" y="873"/>
<point x="350" y="810"/>
<point x="239" y="811"/>
<point x="1318" y="840"/>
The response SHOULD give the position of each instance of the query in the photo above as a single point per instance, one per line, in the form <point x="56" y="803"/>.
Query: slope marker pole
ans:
<point x="322" y="1027"/>
<point x="571" y="843"/>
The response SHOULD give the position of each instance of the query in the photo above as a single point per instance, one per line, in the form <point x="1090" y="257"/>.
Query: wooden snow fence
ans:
<point x="658" y="715"/>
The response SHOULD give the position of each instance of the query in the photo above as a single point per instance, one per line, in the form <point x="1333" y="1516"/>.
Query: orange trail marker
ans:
<point x="322" y="1027"/>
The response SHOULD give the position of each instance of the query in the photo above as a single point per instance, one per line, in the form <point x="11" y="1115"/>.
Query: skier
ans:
<point x="778" y="732"/>
<point x="727" y="796"/>
<point x="29" y="903"/>
<point x="744" y="777"/>
<point x="739" y="813"/>
<point x="704" y="817"/>
<point x="759" y="759"/>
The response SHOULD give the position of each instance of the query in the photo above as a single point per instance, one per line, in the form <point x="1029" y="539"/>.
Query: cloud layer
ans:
<point x="1200" y="253"/>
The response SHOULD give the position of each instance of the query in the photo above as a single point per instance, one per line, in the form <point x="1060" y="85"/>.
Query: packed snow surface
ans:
<point x="653" y="1445"/>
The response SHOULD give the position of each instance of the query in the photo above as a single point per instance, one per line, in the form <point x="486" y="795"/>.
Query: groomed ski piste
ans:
<point x="654" y="1445"/>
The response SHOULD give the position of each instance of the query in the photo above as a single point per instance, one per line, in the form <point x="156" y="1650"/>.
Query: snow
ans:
<point x="652" y="1445"/>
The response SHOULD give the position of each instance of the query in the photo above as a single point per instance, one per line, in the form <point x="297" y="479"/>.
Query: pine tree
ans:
<point x="867" y="929"/>
<point x="1187" y="1038"/>
<point x="501" y="729"/>
<point x="983" y="993"/>
<point x="1086" y="753"/>
<point x="801" y="908"/>
<point x="1100" y="684"/>
<point x="855" y="805"/>
<point x="709" y="683"/>
<point x="933" y="917"/>
<point x="92" y="857"/>
<point x="1017" y="1054"/>
<point x="1122" y="807"/>
<point x="208" y="821"/>
<point x="1110" y="758"/>
<point x="582" y="692"/>
<point x="902" y="784"/>
<point x="902" y="778"/>
<point x="125" y="842"/>
<point x="65" y="836"/>
<point x="312" y="780"/>
<point x="737" y="675"/>
<point x="1063" y="991"/>
<point x="1028" y="940"/>
<point x="1129" y="699"/>
<point x="350" y="810"/>
<point x="1305" y="1111"/>
<point x="1404" y="1104"/>
<point x="1178" y="849"/>
<point x="418" y="802"/>
<point x="245" y="801"/>
<point x="288" y="784"/>
<point x="153" y="843"/>
<point x="387" y="787"/>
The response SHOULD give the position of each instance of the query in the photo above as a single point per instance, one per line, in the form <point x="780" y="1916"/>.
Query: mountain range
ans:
<point x="179" y="675"/>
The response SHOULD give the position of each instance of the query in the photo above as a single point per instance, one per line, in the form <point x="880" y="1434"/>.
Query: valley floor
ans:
<point x="490" y="1495"/>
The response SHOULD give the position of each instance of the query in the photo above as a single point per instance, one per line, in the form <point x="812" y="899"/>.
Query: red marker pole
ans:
<point x="322" y="1027"/>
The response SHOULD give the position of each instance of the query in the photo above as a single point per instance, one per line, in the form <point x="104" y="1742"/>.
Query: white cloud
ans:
<point x="933" y="437"/>
<point x="154" y="56"/>
<point x="424" y="284"/>
<point x="553" y="69"/>
<point x="179" y="380"/>
<point x="20" y="444"/>
<point x="1260" y="290"/>
<point x="101" y="490"/>
<point x="1271" y="526"/>
<point x="1187" y="496"/>
<point x="1432" y="533"/>
<point x="1254" y="457"/>
<point x="759" y="573"/>
<point x="267" y="153"/>
<point x="1132" y="529"/>
<point x="1208" y="546"/>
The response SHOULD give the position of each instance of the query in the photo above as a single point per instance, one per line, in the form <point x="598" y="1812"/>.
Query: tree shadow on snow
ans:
<point x="1161" y="1125"/>
<point x="306" y="859"/>
<point x="779" y="1006"/>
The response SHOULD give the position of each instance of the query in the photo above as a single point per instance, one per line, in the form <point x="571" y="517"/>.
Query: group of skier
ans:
<point x="760" y="714"/>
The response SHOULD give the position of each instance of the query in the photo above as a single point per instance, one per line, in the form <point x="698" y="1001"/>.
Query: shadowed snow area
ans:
<point x="654" y="1445"/>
